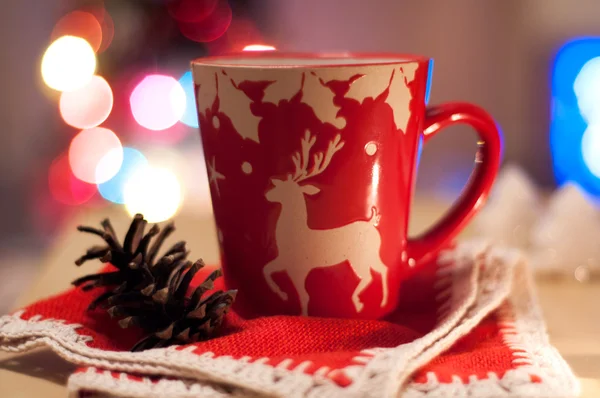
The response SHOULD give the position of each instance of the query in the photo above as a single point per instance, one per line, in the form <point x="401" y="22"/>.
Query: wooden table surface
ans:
<point x="572" y="309"/>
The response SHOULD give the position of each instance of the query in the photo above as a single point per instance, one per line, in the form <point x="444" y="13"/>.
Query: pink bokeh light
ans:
<point x="64" y="187"/>
<point x="157" y="102"/>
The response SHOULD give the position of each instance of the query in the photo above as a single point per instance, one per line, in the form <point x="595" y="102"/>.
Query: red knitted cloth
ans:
<point x="467" y="325"/>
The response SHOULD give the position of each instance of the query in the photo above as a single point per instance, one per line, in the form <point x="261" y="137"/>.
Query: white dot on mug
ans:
<point x="371" y="148"/>
<point x="216" y="122"/>
<point x="220" y="235"/>
<point x="247" y="167"/>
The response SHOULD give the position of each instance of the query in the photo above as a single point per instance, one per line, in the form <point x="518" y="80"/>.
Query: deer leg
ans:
<point x="268" y="271"/>
<point x="384" y="283"/>
<point x="303" y="296"/>
<point x="298" y="279"/>
<point x="365" y="280"/>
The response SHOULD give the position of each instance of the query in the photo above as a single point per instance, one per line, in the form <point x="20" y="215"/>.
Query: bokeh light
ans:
<point x="190" y="114"/>
<point x="169" y="137"/>
<point x="65" y="187"/>
<point x="166" y="157"/>
<point x="154" y="192"/>
<point x="80" y="24"/>
<point x="87" y="154"/>
<point x="191" y="10"/>
<point x="158" y="102"/>
<point x="241" y="32"/>
<point x="575" y="114"/>
<point x="258" y="47"/>
<point x="113" y="190"/>
<point x="187" y="163"/>
<point x="587" y="90"/>
<point x="586" y="86"/>
<point x="109" y="165"/>
<point x="210" y="28"/>
<point x="68" y="64"/>
<point x="194" y="180"/>
<point x="88" y="106"/>
<point x="590" y="148"/>
<point x="108" y="27"/>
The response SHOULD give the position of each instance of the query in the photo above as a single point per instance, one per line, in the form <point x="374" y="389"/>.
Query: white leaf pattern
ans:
<point x="207" y="89"/>
<point x="320" y="98"/>
<point x="314" y="94"/>
<point x="400" y="96"/>
<point x="233" y="102"/>
<point x="373" y="81"/>
<point x="283" y="87"/>
<point x="369" y="82"/>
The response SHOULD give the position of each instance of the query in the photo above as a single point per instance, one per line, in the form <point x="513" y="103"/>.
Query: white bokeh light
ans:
<point x="587" y="90"/>
<point x="590" y="148"/>
<point x="88" y="106"/>
<point x="68" y="64"/>
<point x="95" y="155"/>
<point x="258" y="47"/>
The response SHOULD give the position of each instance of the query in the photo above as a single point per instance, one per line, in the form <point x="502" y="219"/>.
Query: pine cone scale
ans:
<point x="133" y="230"/>
<point x="152" y="293"/>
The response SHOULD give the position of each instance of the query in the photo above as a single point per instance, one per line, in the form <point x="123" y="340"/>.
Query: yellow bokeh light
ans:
<point x="153" y="192"/>
<point x="68" y="64"/>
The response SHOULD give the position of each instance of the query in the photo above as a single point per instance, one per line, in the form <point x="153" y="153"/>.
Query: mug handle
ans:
<point x="487" y="162"/>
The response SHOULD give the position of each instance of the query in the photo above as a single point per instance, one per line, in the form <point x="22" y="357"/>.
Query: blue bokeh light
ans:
<point x="572" y="116"/>
<point x="190" y="116"/>
<point x="112" y="190"/>
<point x="420" y="148"/>
<point x="427" y="94"/>
<point x="429" y="77"/>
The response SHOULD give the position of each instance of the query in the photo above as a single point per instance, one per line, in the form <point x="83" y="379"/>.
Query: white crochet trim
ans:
<point x="452" y="306"/>
<point x="242" y="373"/>
<point x="104" y="382"/>
<point x="371" y="379"/>
<point x="524" y="332"/>
<point x="493" y="288"/>
<point x="477" y="290"/>
<point x="287" y="378"/>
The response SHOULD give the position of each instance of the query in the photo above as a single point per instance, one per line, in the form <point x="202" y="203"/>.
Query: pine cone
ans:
<point x="154" y="295"/>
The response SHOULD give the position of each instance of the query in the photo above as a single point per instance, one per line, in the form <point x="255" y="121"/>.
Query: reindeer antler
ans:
<point x="301" y="159"/>
<point x="320" y="160"/>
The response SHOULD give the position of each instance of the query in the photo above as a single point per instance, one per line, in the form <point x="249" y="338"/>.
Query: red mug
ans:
<point x="312" y="161"/>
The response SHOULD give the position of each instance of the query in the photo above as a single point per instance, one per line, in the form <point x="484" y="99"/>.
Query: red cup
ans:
<point x="311" y="161"/>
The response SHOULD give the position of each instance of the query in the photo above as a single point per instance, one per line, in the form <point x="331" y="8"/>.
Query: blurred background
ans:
<point x="95" y="92"/>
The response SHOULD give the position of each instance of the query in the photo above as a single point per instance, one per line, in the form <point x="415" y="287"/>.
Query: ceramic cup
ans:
<point x="311" y="162"/>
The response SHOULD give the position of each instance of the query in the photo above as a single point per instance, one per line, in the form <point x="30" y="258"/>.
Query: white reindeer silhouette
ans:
<point x="301" y="249"/>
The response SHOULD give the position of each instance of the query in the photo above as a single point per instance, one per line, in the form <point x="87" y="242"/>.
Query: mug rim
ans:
<point x="224" y="60"/>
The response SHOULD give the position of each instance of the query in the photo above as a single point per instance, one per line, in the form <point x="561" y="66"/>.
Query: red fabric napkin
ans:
<point x="467" y="325"/>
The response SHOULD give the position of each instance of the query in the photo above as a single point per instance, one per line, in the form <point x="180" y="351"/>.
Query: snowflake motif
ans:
<point x="214" y="176"/>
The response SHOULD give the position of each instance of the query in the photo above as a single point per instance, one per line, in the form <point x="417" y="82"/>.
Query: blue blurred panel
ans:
<point x="575" y="108"/>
